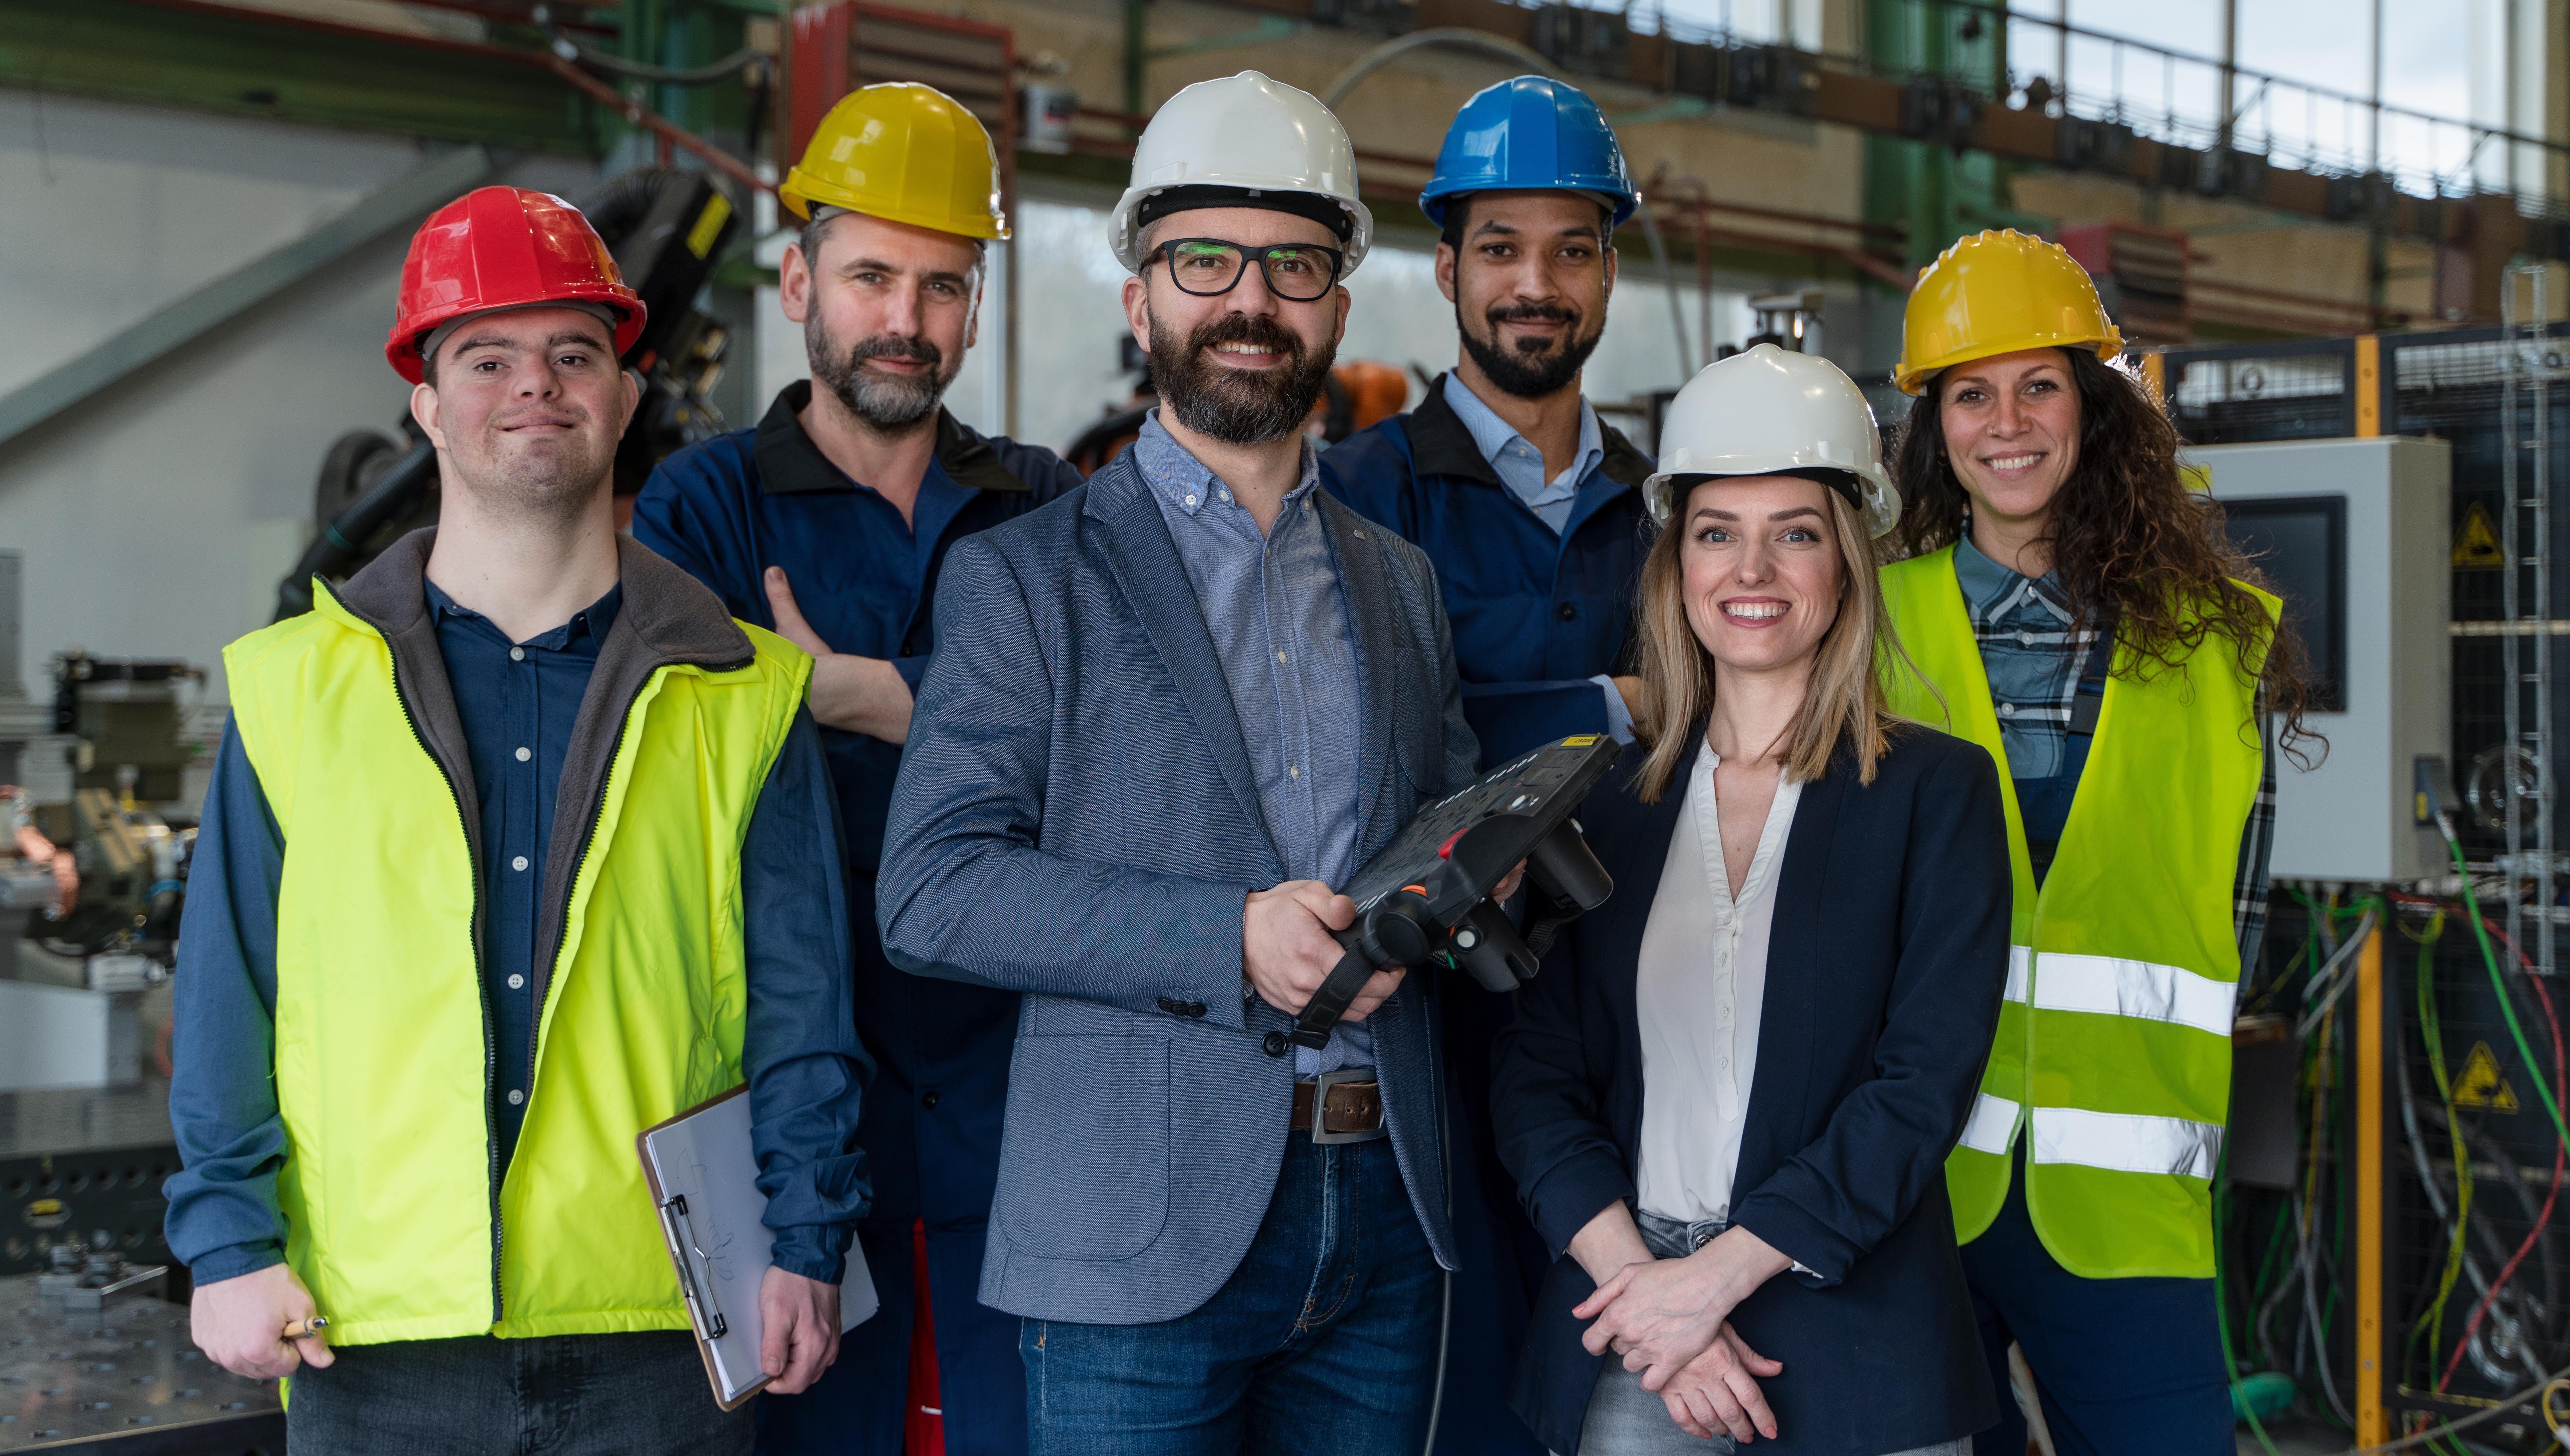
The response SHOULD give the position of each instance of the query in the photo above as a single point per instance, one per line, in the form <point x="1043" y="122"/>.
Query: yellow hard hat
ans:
<point x="905" y="152"/>
<point x="1995" y="294"/>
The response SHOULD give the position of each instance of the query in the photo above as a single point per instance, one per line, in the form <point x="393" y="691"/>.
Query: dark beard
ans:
<point x="1530" y="373"/>
<point x="1238" y="406"/>
<point x="889" y="403"/>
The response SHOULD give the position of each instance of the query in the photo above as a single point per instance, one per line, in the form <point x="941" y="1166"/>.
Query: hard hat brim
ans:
<point x="1869" y="491"/>
<point x="1912" y="377"/>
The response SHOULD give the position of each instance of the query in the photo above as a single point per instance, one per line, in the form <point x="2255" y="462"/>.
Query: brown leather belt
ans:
<point x="1351" y="1110"/>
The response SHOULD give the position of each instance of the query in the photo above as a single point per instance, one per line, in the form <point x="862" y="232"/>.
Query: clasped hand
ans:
<point x="1669" y="1319"/>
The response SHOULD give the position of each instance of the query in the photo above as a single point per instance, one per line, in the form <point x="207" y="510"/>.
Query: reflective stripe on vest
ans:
<point x="2112" y="986"/>
<point x="2123" y="1143"/>
<point x="382" y="1058"/>
<point x="2113" y="1051"/>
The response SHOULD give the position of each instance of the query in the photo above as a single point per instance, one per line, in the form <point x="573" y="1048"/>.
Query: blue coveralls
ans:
<point x="727" y="509"/>
<point x="1536" y="616"/>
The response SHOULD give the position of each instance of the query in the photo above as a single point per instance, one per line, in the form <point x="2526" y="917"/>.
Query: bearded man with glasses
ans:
<point x="1168" y="713"/>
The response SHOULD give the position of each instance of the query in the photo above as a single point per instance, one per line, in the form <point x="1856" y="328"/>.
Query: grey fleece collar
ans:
<point x="677" y="618"/>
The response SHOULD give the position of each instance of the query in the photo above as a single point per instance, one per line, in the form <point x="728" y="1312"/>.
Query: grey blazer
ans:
<point x="1075" y="819"/>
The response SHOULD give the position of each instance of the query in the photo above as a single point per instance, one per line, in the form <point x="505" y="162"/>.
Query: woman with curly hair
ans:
<point x="2069" y="603"/>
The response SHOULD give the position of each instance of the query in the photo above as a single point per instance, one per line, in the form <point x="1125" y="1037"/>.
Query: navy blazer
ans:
<point x="1077" y="819"/>
<point x="1885" y="969"/>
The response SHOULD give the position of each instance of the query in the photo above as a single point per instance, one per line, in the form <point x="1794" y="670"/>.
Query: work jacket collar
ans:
<point x="789" y="463"/>
<point x="667" y="615"/>
<point x="1440" y="444"/>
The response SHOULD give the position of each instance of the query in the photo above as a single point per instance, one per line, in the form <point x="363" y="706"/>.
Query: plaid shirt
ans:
<point x="2032" y="656"/>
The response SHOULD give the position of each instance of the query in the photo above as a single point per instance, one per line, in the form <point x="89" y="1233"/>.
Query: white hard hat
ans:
<point x="1767" y="413"/>
<point x="1247" y="133"/>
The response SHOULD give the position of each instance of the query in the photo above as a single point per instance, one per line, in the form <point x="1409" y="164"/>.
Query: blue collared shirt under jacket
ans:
<point x="518" y="702"/>
<point x="1279" y="624"/>
<point x="1538" y="574"/>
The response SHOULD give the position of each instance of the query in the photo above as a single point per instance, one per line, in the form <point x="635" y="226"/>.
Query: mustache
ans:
<point x="885" y="346"/>
<point x="1534" y="313"/>
<point x="1244" y="328"/>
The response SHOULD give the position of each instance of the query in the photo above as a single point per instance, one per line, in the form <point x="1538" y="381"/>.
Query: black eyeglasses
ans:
<point x="1209" y="267"/>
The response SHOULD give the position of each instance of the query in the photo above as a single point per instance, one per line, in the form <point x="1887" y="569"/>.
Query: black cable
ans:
<point x="705" y="75"/>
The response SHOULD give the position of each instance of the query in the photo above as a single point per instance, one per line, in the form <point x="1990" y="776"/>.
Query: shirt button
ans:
<point x="519" y="863"/>
<point x="516" y="1097"/>
<point x="1280" y="656"/>
<point x="517" y="654"/>
<point x="928" y="1099"/>
<point x="525" y="754"/>
<point x="1293" y="771"/>
<point x="2008" y="710"/>
<point x="1724" y="1063"/>
<point x="1223" y="496"/>
<point x="2026" y="639"/>
<point x="1567" y="611"/>
<point x="1192" y="499"/>
<point x="517" y="982"/>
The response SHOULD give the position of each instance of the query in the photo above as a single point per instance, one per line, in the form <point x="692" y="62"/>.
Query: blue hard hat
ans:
<point x="1530" y="133"/>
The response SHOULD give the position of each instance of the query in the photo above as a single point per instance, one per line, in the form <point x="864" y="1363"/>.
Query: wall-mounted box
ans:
<point x="2355" y="533"/>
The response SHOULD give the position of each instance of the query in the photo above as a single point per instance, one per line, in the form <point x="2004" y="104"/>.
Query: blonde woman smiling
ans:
<point x="1728" y="1098"/>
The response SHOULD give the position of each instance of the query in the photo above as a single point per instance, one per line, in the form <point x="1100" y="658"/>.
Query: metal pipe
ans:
<point x="638" y="114"/>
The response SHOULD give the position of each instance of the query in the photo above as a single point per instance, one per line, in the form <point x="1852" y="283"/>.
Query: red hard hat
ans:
<point x="503" y="247"/>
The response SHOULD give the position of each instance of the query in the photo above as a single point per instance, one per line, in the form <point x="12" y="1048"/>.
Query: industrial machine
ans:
<point x="668" y="229"/>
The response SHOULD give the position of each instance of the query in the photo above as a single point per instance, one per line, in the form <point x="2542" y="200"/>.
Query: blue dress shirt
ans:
<point x="1279" y="623"/>
<point x="518" y="702"/>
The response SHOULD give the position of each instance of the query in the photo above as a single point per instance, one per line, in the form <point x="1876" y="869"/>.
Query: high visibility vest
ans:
<point x="399" y="1217"/>
<point x="2113" y="1053"/>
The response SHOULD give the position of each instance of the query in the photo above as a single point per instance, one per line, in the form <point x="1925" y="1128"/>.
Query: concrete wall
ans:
<point x="156" y="520"/>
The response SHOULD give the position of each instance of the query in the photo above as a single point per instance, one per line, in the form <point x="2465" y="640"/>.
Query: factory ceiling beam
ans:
<point x="176" y="325"/>
<point x="223" y="58"/>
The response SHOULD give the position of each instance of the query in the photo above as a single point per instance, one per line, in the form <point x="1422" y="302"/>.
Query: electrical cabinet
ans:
<point x="2355" y="532"/>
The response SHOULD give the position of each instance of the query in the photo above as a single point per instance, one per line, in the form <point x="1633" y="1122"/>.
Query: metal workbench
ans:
<point x="122" y="1381"/>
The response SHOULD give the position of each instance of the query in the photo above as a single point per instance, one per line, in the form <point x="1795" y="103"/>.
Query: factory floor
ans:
<point x="2295" y="1438"/>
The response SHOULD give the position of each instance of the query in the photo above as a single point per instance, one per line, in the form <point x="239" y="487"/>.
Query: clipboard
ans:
<point x="703" y="1179"/>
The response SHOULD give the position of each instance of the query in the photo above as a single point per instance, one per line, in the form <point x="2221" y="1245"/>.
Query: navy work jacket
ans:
<point x="1535" y="614"/>
<point x="728" y="509"/>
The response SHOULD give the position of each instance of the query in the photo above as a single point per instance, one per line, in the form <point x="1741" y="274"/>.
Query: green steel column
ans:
<point x="1940" y="194"/>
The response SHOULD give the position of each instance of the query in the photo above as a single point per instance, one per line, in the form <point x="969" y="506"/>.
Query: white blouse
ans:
<point x="1702" y="981"/>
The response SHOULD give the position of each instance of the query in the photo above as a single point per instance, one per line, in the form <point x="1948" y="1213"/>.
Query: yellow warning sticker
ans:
<point x="1582" y="741"/>
<point x="2477" y="547"/>
<point x="2480" y="1085"/>
<point x="709" y="222"/>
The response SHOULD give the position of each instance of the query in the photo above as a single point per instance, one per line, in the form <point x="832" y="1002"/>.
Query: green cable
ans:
<point x="2431" y="1030"/>
<point x="2221" y="1307"/>
<point x="2506" y="1002"/>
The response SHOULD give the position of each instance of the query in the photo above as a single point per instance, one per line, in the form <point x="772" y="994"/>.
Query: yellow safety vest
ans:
<point x="399" y="1218"/>
<point x="2113" y="1052"/>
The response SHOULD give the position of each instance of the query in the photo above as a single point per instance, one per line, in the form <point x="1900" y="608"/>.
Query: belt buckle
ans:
<point x="1321" y="1107"/>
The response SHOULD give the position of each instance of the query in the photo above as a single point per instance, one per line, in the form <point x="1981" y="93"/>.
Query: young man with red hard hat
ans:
<point x="831" y="522"/>
<point x="518" y="843"/>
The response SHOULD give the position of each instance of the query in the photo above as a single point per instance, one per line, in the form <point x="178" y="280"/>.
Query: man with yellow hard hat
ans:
<point x="831" y="522"/>
<point x="2071" y="605"/>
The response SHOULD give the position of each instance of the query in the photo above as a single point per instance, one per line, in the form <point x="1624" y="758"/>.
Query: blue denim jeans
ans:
<point x="563" y="1395"/>
<point x="1323" y="1341"/>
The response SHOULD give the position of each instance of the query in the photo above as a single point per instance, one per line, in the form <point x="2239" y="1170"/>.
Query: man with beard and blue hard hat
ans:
<point x="831" y="522"/>
<point x="1531" y="510"/>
